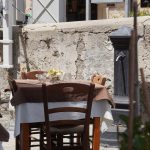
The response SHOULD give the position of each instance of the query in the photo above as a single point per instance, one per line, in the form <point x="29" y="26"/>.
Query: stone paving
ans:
<point x="11" y="146"/>
<point x="8" y="122"/>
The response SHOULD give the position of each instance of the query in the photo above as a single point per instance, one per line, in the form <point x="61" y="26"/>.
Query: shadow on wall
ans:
<point x="28" y="62"/>
<point x="20" y="36"/>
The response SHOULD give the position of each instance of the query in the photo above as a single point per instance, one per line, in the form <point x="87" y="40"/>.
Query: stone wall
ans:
<point x="79" y="48"/>
<point x="116" y="11"/>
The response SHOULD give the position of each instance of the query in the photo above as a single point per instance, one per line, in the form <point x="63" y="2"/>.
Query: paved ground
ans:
<point x="8" y="123"/>
<point x="11" y="146"/>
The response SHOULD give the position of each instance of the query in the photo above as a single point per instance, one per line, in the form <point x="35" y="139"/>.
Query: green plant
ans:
<point x="141" y="134"/>
<point x="54" y="72"/>
<point x="144" y="12"/>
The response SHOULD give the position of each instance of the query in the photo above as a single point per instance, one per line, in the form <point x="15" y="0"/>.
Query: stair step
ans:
<point x="121" y="99"/>
<point x="113" y="128"/>
<point x="116" y="115"/>
<point x="109" y="143"/>
<point x="119" y="110"/>
<point x="110" y="138"/>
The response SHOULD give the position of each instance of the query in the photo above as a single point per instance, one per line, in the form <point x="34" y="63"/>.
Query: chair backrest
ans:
<point x="4" y="134"/>
<point x="97" y="78"/>
<point x="12" y="84"/>
<point x="76" y="92"/>
<point x="31" y="75"/>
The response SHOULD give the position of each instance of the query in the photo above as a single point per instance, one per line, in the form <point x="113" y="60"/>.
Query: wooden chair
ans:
<point x="64" y="92"/>
<point x="12" y="84"/>
<point x="97" y="78"/>
<point x="13" y="89"/>
<point x="34" y="128"/>
<point x="4" y="134"/>
<point x="32" y="74"/>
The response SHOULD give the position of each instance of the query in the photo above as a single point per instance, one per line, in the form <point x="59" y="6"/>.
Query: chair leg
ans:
<point x="60" y="141"/>
<point x="78" y="138"/>
<point x="71" y="139"/>
<point x="42" y="138"/>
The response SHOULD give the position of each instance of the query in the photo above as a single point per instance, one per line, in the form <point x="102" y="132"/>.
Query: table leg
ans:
<point x="96" y="133"/>
<point x="17" y="142"/>
<point x="24" y="133"/>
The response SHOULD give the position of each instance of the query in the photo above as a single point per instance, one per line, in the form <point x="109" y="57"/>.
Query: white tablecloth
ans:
<point x="34" y="112"/>
<point x="1" y="148"/>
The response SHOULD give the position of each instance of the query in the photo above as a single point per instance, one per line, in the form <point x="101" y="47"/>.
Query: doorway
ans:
<point x="76" y="10"/>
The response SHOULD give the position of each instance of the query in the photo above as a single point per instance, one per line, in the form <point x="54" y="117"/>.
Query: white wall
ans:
<point x="57" y="9"/>
<point x="62" y="10"/>
<point x="80" y="48"/>
<point x="20" y="4"/>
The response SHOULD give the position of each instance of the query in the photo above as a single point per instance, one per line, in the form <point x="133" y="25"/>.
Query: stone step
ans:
<point x="121" y="102"/>
<point x="113" y="128"/>
<point x="116" y="115"/>
<point x="109" y="143"/>
<point x="110" y="138"/>
<point x="120" y="99"/>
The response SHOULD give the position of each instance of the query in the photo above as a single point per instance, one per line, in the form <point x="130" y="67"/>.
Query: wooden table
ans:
<point x="24" y="86"/>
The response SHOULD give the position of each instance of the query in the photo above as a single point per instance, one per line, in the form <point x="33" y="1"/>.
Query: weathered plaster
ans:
<point x="80" y="48"/>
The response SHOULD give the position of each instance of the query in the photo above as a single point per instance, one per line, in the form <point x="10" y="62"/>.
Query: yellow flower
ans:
<point x="54" y="72"/>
